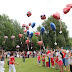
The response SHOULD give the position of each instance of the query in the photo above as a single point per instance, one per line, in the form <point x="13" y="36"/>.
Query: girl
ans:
<point x="39" y="59"/>
<point x="66" y="61"/>
<point x="60" y="61"/>
<point x="47" y="61"/>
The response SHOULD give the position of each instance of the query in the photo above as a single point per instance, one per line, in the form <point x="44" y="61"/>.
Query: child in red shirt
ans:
<point x="12" y="63"/>
<point x="39" y="59"/>
<point x="43" y="60"/>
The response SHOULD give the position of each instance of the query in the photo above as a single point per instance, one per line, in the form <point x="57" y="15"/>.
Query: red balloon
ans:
<point x="37" y="33"/>
<point x="29" y="24"/>
<point x="20" y="35"/>
<point x="43" y="17"/>
<point x="69" y="5"/>
<point x="27" y="27"/>
<point x="56" y="15"/>
<point x="29" y="13"/>
<point x="27" y="41"/>
<point x="25" y="30"/>
<point x="66" y="10"/>
<point x="40" y="43"/>
<point x="24" y="25"/>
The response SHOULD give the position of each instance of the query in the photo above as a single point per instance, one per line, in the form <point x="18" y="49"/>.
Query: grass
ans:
<point x="30" y="65"/>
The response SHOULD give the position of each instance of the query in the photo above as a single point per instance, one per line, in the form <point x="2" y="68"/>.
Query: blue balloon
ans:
<point x="31" y="35"/>
<point x="53" y="27"/>
<point x="42" y="30"/>
<point x="33" y="24"/>
<point x="27" y="32"/>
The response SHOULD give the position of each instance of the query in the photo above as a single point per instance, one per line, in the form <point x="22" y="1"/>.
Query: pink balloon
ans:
<point x="69" y="5"/>
<point x="40" y="43"/>
<point x="27" y="41"/>
<point x="27" y="27"/>
<point x="25" y="30"/>
<point x="66" y="10"/>
<point x="5" y="37"/>
<point x="23" y="25"/>
<point x="20" y="35"/>
<point x="56" y="15"/>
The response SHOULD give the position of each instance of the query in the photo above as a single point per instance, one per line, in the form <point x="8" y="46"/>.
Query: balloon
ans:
<point x="27" y="41"/>
<point x="12" y="37"/>
<point x="43" y="17"/>
<point x="42" y="30"/>
<point x="29" y="24"/>
<point x="33" y="24"/>
<point x="40" y="43"/>
<point x="31" y="35"/>
<point x="25" y="30"/>
<point x="17" y="46"/>
<point x="23" y="25"/>
<point x="29" y="13"/>
<point x="69" y="5"/>
<point x="52" y="25"/>
<point x="5" y="37"/>
<point x="37" y="33"/>
<point x="27" y="27"/>
<point x="66" y="10"/>
<point x="56" y="15"/>
<point x="20" y="35"/>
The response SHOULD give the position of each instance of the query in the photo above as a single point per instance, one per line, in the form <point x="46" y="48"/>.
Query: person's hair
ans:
<point x="11" y="54"/>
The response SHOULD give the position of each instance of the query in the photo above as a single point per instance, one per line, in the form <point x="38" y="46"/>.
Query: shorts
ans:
<point x="60" y="62"/>
<point x="39" y="61"/>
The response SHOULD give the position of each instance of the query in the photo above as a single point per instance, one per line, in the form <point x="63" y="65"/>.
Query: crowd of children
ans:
<point x="60" y="59"/>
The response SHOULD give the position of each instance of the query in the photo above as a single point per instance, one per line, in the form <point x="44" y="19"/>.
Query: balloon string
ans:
<point x="42" y="40"/>
<point x="55" y="36"/>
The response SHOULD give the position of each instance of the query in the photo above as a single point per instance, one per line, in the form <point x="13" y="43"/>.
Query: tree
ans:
<point x="49" y="38"/>
<point x="9" y="27"/>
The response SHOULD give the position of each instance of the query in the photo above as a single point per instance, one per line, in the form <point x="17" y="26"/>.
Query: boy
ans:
<point x="12" y="63"/>
<point x="43" y="59"/>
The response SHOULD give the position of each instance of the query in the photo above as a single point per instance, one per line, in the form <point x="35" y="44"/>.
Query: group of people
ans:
<point x="60" y="59"/>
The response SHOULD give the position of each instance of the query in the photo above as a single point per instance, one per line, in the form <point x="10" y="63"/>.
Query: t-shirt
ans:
<point x="39" y="58"/>
<point x="43" y="59"/>
<point x="11" y="60"/>
<point x="63" y="54"/>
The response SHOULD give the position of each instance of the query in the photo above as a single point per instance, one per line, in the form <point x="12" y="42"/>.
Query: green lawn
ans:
<point x="30" y="66"/>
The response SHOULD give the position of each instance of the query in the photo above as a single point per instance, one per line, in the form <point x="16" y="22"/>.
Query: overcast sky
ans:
<point x="17" y="9"/>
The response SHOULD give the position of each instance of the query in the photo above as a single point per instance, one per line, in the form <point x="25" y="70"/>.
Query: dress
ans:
<point x="66" y="60"/>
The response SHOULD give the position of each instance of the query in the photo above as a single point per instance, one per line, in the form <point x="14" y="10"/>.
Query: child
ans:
<point x="43" y="60"/>
<point x="67" y="61"/>
<point x="60" y="61"/>
<point x="47" y="61"/>
<point x="12" y="63"/>
<point x="39" y="60"/>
